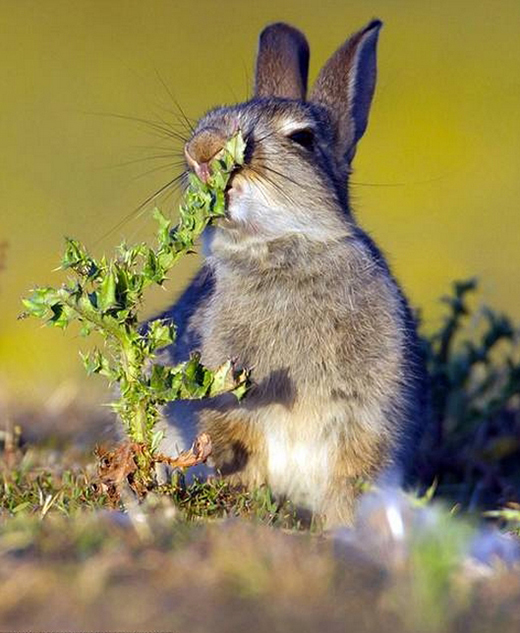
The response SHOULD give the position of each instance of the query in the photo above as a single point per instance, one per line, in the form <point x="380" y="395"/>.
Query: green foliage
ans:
<point x="105" y="296"/>
<point x="509" y="516"/>
<point x="66" y="541"/>
<point x="29" y="486"/>
<point x="435" y="556"/>
<point x="55" y="520"/>
<point x="472" y="446"/>
<point x="36" y="491"/>
<point x="217" y="499"/>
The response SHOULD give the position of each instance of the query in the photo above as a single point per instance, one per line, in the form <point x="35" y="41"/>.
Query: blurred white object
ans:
<point x="390" y="525"/>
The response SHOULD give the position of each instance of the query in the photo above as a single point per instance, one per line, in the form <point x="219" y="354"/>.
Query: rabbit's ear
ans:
<point x="282" y="63"/>
<point x="345" y="87"/>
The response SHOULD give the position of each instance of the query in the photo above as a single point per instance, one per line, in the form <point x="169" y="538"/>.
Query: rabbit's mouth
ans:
<point x="233" y="190"/>
<point x="241" y="203"/>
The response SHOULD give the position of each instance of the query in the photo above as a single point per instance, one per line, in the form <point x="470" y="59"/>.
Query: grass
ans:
<point x="210" y="557"/>
<point x="34" y="483"/>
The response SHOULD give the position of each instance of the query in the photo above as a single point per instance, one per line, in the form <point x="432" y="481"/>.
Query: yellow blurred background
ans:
<point x="436" y="177"/>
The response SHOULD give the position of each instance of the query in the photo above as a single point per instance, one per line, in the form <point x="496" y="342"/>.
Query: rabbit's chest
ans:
<point x="269" y="331"/>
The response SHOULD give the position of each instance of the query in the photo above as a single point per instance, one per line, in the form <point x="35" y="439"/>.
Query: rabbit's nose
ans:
<point x="199" y="151"/>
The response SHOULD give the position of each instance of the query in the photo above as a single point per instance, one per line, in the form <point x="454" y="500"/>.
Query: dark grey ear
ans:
<point x="345" y="86"/>
<point x="282" y="63"/>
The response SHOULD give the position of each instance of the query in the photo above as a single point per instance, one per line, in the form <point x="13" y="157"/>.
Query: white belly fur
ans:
<point x="300" y="458"/>
<point x="297" y="468"/>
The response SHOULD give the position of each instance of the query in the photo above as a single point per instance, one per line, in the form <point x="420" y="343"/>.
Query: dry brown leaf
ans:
<point x="114" y="467"/>
<point x="197" y="454"/>
<point x="120" y="467"/>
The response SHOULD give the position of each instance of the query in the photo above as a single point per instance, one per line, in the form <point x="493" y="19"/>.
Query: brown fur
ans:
<point x="282" y="63"/>
<point x="336" y="89"/>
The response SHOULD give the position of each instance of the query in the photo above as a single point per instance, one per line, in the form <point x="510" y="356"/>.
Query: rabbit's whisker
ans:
<point x="136" y="213"/>
<point x="282" y="175"/>
<point x="149" y="158"/>
<point x="258" y="179"/>
<point x="260" y="139"/>
<point x="274" y="184"/>
<point x="168" y="166"/>
<point x="161" y="127"/>
<point x="189" y="122"/>
<point x="175" y="151"/>
<point x="377" y="184"/>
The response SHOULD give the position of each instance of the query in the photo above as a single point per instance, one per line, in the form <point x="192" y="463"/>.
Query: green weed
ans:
<point x="471" y="447"/>
<point x="105" y="297"/>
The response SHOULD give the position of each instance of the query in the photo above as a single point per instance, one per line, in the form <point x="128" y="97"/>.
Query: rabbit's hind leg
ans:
<point x="238" y="450"/>
<point x="358" y="463"/>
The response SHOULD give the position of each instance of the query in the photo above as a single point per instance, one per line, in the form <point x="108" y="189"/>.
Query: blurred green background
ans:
<point x="436" y="177"/>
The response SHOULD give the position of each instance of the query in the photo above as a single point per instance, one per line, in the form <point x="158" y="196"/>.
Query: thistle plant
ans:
<point x="105" y="296"/>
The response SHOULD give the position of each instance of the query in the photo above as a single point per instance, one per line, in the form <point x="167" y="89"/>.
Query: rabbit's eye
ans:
<point x="304" y="137"/>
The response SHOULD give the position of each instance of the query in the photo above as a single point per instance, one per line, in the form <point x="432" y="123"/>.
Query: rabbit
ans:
<point x="293" y="288"/>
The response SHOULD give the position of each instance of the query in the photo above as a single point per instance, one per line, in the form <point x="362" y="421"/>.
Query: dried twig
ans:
<point x="197" y="454"/>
